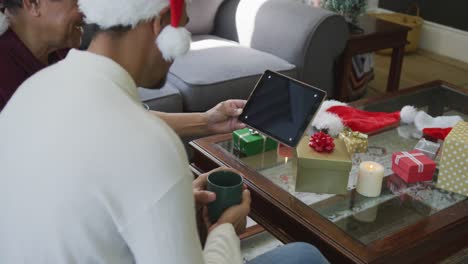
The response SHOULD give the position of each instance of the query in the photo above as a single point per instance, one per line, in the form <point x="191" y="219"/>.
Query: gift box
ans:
<point x="428" y="148"/>
<point x="249" y="142"/>
<point x="356" y="142"/>
<point x="453" y="167"/>
<point x="321" y="172"/>
<point x="413" y="166"/>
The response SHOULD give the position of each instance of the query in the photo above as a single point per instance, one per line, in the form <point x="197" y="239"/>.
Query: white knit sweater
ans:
<point x="88" y="176"/>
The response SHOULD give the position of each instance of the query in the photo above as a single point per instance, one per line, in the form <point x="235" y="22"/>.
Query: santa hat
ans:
<point x="333" y="116"/>
<point x="437" y="133"/>
<point x="4" y="23"/>
<point x="173" y="40"/>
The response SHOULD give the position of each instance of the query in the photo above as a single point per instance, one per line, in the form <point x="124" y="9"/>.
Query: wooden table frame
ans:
<point x="288" y="219"/>
<point x="378" y="34"/>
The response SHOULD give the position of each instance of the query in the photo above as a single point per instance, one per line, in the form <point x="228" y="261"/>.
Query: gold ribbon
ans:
<point x="354" y="141"/>
<point x="354" y="134"/>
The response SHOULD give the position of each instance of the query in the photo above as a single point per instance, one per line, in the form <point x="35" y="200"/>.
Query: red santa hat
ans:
<point x="333" y="116"/>
<point x="173" y="40"/>
<point x="4" y="23"/>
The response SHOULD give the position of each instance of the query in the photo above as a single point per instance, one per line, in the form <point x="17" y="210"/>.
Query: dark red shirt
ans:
<point x="17" y="64"/>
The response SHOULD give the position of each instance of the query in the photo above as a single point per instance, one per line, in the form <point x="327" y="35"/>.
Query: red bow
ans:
<point x="321" y="142"/>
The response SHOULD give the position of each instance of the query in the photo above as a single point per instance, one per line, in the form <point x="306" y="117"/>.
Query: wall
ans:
<point x="451" y="13"/>
<point x="445" y="28"/>
<point x="372" y="5"/>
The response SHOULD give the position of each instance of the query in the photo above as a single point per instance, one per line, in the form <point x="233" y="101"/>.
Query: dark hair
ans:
<point x="91" y="30"/>
<point x="12" y="4"/>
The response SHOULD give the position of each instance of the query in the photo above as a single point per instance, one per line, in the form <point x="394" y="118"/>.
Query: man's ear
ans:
<point x="32" y="7"/>
<point x="162" y="20"/>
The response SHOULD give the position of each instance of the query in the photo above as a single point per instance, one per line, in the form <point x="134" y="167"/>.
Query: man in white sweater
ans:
<point x="91" y="176"/>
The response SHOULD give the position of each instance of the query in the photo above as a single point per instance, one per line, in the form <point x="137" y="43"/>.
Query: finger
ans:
<point x="244" y="207"/>
<point x="238" y="103"/>
<point x="206" y="218"/>
<point x="204" y="197"/>
<point x="241" y="226"/>
<point x="246" y="199"/>
<point x="200" y="182"/>
<point x="233" y="108"/>
<point x="238" y="125"/>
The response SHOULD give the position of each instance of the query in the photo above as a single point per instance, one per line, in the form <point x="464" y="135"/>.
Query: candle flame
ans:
<point x="371" y="166"/>
<point x="285" y="160"/>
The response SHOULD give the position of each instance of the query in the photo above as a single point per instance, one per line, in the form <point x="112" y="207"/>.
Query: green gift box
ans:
<point x="249" y="142"/>
<point x="323" y="172"/>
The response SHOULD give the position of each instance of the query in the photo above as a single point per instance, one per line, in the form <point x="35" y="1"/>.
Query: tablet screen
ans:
<point x="281" y="107"/>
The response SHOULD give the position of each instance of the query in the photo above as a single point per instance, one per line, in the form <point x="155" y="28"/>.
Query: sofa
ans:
<point x="245" y="38"/>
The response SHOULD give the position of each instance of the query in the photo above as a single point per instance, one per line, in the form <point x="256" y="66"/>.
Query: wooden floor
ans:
<point x="419" y="68"/>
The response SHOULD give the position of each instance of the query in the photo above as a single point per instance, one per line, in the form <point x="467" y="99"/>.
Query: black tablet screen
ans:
<point x="282" y="107"/>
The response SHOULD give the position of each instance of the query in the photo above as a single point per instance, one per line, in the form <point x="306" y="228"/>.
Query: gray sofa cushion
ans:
<point x="166" y="99"/>
<point x="216" y="69"/>
<point x="202" y="14"/>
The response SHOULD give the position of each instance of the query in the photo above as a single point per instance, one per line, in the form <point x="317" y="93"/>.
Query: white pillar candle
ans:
<point x="370" y="179"/>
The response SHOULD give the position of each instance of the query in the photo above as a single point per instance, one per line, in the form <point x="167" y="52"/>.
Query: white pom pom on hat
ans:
<point x="408" y="113"/>
<point x="174" y="40"/>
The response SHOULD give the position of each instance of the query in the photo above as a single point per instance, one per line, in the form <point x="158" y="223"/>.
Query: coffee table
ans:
<point x="415" y="223"/>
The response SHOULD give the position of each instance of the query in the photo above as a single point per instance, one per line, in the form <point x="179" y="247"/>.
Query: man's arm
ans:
<point x="186" y="124"/>
<point x="220" y="119"/>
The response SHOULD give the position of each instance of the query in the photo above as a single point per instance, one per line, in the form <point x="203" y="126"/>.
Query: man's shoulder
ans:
<point x="6" y="58"/>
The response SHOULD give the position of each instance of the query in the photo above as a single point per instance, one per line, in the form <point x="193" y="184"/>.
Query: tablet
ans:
<point x="281" y="107"/>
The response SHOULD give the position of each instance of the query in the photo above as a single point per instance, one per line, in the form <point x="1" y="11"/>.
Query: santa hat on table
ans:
<point x="173" y="40"/>
<point x="4" y="23"/>
<point x="333" y="116"/>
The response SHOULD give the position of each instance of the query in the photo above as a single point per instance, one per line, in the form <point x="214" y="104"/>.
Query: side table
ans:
<point x="377" y="34"/>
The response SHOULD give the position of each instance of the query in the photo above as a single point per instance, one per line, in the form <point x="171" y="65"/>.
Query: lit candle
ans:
<point x="370" y="179"/>
<point x="284" y="152"/>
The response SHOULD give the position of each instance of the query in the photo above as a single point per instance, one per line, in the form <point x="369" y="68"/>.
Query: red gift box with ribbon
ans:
<point x="413" y="166"/>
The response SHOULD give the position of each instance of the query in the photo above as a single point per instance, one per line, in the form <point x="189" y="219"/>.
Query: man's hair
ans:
<point x="12" y="4"/>
<point x="92" y="30"/>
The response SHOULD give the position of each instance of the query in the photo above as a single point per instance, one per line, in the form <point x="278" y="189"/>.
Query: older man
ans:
<point x="33" y="35"/>
<point x="37" y="33"/>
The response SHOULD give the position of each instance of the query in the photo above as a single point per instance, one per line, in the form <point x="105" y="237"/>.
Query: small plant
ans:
<point x="350" y="9"/>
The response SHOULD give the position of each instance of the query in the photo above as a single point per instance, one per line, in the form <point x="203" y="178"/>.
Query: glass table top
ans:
<point x="400" y="204"/>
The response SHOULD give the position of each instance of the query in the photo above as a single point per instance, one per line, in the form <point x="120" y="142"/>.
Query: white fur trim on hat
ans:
<point x="110" y="13"/>
<point x="328" y="121"/>
<point x="4" y="23"/>
<point x="173" y="42"/>
<point x="423" y="120"/>
<point x="330" y="103"/>
<point x="407" y="114"/>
